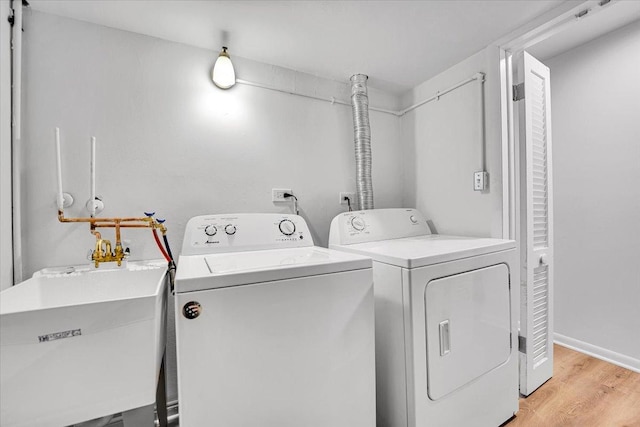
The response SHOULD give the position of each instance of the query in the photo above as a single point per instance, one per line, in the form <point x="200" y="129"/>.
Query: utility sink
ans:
<point x="80" y="343"/>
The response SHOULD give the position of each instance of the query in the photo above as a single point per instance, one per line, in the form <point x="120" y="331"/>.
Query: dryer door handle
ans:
<point x="445" y="340"/>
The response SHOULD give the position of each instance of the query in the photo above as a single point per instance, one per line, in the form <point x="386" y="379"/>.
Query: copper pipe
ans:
<point x="146" y="222"/>
<point x="107" y="255"/>
<point x="160" y="227"/>
<point x="129" y="225"/>
<point x="119" y="253"/>
<point x="62" y="218"/>
<point x="118" y="243"/>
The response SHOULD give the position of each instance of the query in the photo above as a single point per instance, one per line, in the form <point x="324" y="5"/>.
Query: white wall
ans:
<point x="170" y="141"/>
<point x="6" y="258"/>
<point x="596" y="148"/>
<point x="443" y="149"/>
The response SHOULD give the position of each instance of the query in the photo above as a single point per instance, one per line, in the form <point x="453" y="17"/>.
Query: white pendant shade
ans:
<point x="224" y="76"/>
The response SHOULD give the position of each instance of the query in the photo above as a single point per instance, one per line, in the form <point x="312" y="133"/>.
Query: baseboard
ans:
<point x="598" y="352"/>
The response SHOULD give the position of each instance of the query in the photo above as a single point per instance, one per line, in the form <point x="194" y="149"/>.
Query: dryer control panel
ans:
<point x="377" y="224"/>
<point x="208" y="234"/>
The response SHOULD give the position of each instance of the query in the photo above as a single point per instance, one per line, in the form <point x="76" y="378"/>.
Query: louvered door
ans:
<point x="536" y="316"/>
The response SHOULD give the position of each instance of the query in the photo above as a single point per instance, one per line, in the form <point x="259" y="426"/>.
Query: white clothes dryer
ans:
<point x="446" y="320"/>
<point x="272" y="330"/>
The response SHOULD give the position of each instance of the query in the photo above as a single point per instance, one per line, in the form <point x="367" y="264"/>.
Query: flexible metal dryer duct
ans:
<point x="362" y="140"/>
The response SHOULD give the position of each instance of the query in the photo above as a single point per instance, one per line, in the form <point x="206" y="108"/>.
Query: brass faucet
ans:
<point x="98" y="252"/>
<point x="103" y="253"/>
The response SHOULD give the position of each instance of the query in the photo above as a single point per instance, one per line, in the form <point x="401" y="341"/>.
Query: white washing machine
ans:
<point x="446" y="320"/>
<point x="272" y="330"/>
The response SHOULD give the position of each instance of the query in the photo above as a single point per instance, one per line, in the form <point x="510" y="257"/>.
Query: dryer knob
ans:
<point x="358" y="223"/>
<point x="230" y="229"/>
<point x="413" y="219"/>
<point x="287" y="227"/>
<point x="210" y="230"/>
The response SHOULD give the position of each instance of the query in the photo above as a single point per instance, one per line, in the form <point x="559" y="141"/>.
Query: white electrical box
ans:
<point x="277" y="194"/>
<point x="480" y="181"/>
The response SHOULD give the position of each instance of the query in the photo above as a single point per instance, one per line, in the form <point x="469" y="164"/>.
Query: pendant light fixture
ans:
<point x="224" y="76"/>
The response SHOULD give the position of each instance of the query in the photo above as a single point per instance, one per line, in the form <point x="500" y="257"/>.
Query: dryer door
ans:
<point x="467" y="326"/>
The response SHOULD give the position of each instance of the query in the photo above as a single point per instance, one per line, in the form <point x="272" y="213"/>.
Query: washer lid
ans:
<point x="420" y="251"/>
<point x="200" y="272"/>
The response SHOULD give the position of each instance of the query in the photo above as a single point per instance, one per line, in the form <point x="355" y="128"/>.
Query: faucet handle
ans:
<point x="149" y="214"/>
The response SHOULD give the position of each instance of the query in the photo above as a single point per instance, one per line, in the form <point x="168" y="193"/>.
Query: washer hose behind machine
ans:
<point x="166" y="253"/>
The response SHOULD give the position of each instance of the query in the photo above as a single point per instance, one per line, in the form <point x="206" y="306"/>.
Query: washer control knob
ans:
<point x="230" y="229"/>
<point x="210" y="230"/>
<point x="413" y="219"/>
<point x="191" y="310"/>
<point x="287" y="227"/>
<point x="358" y="223"/>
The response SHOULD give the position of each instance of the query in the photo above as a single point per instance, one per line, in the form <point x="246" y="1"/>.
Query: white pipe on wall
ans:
<point x="477" y="76"/>
<point x="291" y="92"/>
<point x="16" y="164"/>
<point x="92" y="200"/>
<point x="60" y="199"/>
<point x="17" y="68"/>
<point x="483" y="139"/>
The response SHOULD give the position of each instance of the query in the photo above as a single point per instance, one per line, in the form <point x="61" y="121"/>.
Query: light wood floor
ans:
<point x="584" y="392"/>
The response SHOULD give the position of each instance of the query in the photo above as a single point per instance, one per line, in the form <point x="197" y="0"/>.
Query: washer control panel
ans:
<point x="207" y="234"/>
<point x="287" y="227"/>
<point x="211" y="230"/>
<point x="377" y="224"/>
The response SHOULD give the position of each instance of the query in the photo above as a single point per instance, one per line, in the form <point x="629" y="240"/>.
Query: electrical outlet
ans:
<point x="277" y="194"/>
<point x="351" y="196"/>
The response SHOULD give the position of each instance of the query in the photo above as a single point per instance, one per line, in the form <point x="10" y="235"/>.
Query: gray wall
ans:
<point x="443" y="149"/>
<point x="6" y="257"/>
<point x="596" y="147"/>
<point x="169" y="141"/>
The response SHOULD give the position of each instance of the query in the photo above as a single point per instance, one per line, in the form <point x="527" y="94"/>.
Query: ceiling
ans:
<point x="592" y="26"/>
<point x="399" y="44"/>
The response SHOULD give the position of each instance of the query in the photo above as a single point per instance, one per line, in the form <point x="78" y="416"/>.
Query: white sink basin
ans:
<point x="81" y="343"/>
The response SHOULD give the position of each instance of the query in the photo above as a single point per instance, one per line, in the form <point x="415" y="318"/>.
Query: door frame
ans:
<point x="7" y="120"/>
<point x="511" y="48"/>
<point x="545" y="26"/>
